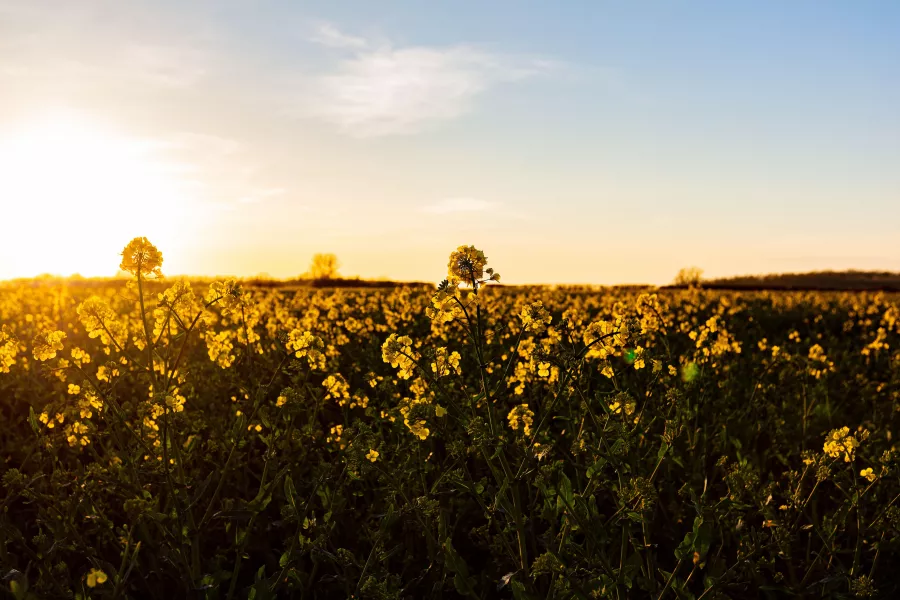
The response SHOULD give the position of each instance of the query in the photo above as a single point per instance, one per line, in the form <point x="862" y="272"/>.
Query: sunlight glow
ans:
<point x="72" y="193"/>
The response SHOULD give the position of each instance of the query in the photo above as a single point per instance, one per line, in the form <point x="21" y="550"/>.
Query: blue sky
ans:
<point x="595" y="142"/>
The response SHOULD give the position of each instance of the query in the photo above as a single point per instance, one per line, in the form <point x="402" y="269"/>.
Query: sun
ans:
<point x="72" y="193"/>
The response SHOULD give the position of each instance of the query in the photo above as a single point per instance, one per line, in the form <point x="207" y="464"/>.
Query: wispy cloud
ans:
<point x="328" y="35"/>
<point x="219" y="170"/>
<point x="460" y="205"/>
<point x="164" y="65"/>
<point x="77" y="46"/>
<point x="380" y="89"/>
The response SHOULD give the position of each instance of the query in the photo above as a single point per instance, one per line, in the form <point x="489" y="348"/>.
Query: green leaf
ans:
<point x="565" y="498"/>
<point x="32" y="420"/>
<point x="461" y="580"/>
<point x="703" y="534"/>
<point x="290" y="492"/>
<point x="662" y="451"/>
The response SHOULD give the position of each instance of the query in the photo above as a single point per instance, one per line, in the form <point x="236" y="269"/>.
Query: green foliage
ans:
<point x="664" y="446"/>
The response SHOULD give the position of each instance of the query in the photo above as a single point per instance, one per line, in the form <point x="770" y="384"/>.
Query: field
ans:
<point x="163" y="439"/>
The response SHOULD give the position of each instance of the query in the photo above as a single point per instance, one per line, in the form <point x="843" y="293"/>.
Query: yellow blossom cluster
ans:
<point x="176" y="309"/>
<point x="819" y="364"/>
<point x="713" y="341"/>
<point x="305" y="344"/>
<point x="466" y="266"/>
<point x="446" y="305"/>
<point x="337" y="389"/>
<point x="229" y="296"/>
<point x="101" y="321"/>
<point x="521" y="416"/>
<point x="397" y="350"/>
<point x="620" y="406"/>
<point x="336" y="432"/>
<point x="79" y="356"/>
<point x="219" y="347"/>
<point x="47" y="343"/>
<point x="535" y="317"/>
<point x="140" y="257"/>
<point x="651" y="312"/>
<point x="418" y="427"/>
<point x="9" y="348"/>
<point x="840" y="442"/>
<point x="445" y="362"/>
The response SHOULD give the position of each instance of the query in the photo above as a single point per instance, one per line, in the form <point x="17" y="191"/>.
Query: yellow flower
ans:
<point x="47" y="344"/>
<point x="604" y="338"/>
<point x="8" y="350"/>
<point x="79" y="356"/>
<point x="446" y="304"/>
<point x="840" y="442"/>
<point x="46" y="420"/>
<point x="281" y="401"/>
<point x="445" y="363"/>
<point x="439" y="411"/>
<point x="819" y="363"/>
<point x="99" y="320"/>
<point x="521" y="415"/>
<point x="335" y="436"/>
<point x="868" y="473"/>
<point x="95" y="577"/>
<point x="418" y="428"/>
<point x="336" y="388"/>
<point x="397" y="350"/>
<point x="230" y="297"/>
<point x="629" y="406"/>
<point x="175" y="401"/>
<point x="304" y="343"/>
<point x="140" y="257"/>
<point x="466" y="265"/>
<point x="74" y="390"/>
<point x="535" y="317"/>
<point x="219" y="347"/>
<point x="372" y="455"/>
<point x="638" y="358"/>
<point x="177" y="307"/>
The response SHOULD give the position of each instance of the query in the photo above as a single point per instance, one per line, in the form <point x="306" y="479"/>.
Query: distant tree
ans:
<point x="324" y="266"/>
<point x="689" y="276"/>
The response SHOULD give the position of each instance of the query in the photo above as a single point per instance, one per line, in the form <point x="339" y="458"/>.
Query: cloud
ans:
<point x="460" y="205"/>
<point x="328" y="35"/>
<point x="219" y="170"/>
<point x="163" y="65"/>
<point x="71" y="46"/>
<point x="386" y="90"/>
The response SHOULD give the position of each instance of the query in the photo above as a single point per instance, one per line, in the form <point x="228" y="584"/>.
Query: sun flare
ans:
<point x="73" y="193"/>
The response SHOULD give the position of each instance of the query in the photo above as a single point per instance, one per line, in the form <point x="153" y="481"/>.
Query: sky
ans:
<point x="574" y="142"/>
